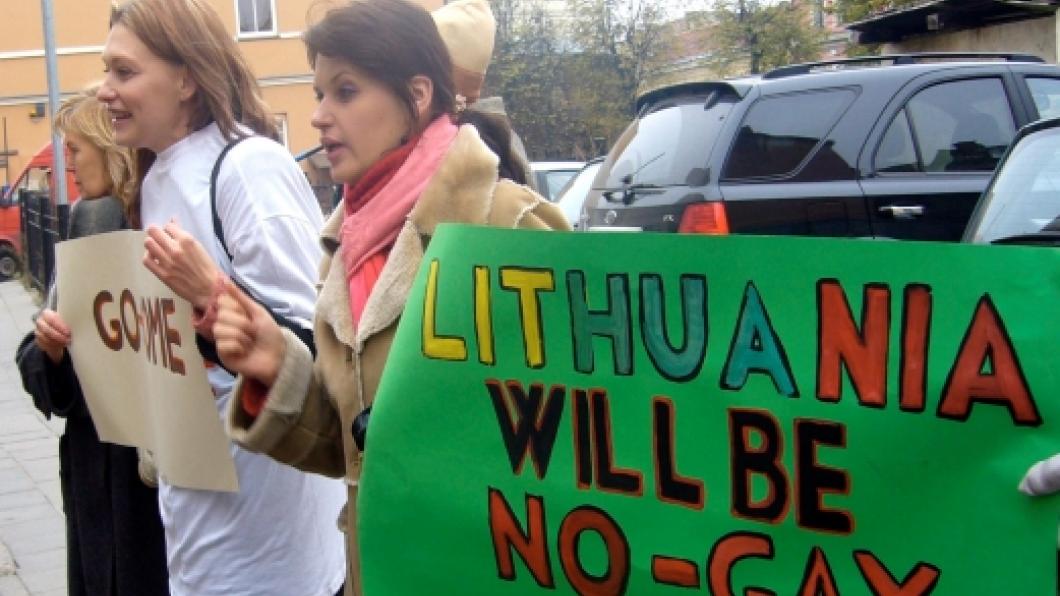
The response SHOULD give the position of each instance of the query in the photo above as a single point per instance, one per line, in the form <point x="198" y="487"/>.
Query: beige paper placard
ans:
<point x="133" y="348"/>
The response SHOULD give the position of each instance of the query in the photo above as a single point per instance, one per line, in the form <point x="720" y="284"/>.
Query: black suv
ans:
<point x="897" y="146"/>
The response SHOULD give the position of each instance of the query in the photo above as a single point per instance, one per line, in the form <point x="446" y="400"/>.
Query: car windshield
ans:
<point x="648" y="153"/>
<point x="1024" y="198"/>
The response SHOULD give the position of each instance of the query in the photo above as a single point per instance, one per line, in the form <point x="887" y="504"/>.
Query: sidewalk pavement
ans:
<point x="32" y="528"/>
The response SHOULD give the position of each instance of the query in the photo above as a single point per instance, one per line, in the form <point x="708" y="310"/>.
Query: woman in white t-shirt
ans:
<point x="179" y="92"/>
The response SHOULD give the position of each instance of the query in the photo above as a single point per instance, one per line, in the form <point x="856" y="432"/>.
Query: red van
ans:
<point x="36" y="176"/>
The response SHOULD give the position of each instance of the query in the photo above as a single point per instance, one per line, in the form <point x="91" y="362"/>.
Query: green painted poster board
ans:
<point x="666" y="414"/>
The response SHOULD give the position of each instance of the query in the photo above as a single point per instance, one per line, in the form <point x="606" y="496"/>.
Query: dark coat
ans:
<point x="114" y="539"/>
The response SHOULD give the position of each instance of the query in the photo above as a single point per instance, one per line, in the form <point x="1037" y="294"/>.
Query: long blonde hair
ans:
<point x="84" y="115"/>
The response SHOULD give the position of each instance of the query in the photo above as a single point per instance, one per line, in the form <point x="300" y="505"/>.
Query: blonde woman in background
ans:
<point x="179" y="93"/>
<point x="114" y="540"/>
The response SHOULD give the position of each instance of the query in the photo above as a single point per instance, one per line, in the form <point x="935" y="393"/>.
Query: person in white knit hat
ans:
<point x="468" y="30"/>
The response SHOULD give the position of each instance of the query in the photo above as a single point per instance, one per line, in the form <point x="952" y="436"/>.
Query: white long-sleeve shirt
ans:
<point x="277" y="535"/>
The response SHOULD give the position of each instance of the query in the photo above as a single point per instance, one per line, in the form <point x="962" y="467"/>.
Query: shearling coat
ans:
<point x="310" y="408"/>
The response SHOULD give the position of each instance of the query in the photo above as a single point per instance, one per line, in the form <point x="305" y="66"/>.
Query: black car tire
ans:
<point x="9" y="264"/>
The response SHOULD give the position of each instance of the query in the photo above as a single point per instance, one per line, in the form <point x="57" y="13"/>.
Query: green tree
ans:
<point x="758" y="36"/>
<point x="569" y="86"/>
<point x="855" y="10"/>
<point x="529" y="72"/>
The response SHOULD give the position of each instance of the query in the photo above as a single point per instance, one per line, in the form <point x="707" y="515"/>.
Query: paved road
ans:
<point x="32" y="532"/>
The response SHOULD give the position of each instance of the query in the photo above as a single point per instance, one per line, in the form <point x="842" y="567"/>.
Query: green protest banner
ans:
<point x="667" y="414"/>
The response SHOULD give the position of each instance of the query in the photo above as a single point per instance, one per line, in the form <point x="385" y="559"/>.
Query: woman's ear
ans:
<point x="422" y="91"/>
<point x="188" y="87"/>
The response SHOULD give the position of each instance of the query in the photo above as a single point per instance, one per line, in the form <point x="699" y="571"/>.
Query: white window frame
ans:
<point x="240" y="34"/>
<point x="281" y="127"/>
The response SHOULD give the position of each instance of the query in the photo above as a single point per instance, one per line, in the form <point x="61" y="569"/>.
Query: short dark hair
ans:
<point x="391" y="41"/>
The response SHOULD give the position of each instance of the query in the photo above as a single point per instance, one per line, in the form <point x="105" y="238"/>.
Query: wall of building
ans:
<point x="1033" y="36"/>
<point x="278" y="60"/>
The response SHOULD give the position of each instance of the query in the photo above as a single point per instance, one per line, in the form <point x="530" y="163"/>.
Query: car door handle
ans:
<point x="903" y="211"/>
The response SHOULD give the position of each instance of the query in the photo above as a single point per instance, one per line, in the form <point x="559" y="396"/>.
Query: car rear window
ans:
<point x="781" y="131"/>
<point x="670" y="145"/>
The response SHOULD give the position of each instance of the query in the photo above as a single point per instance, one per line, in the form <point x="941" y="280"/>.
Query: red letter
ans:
<point x="172" y="339"/>
<point x="987" y="345"/>
<point x="674" y="572"/>
<point x="864" y="353"/>
<point x="921" y="580"/>
<point x="916" y="323"/>
<point x="133" y="339"/>
<point x="589" y="518"/>
<point x="818" y="578"/>
<point x="507" y="535"/>
<point x="727" y="552"/>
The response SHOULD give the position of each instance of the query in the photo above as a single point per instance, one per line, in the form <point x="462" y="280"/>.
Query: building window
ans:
<point x="256" y="17"/>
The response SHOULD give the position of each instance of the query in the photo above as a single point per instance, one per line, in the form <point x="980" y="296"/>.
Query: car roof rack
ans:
<point x="896" y="59"/>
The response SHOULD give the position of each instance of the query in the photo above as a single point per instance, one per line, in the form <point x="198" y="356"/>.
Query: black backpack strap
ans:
<point x="217" y="230"/>
<point x="207" y="349"/>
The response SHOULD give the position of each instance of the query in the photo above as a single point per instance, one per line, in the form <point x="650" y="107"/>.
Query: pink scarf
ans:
<point x="377" y="206"/>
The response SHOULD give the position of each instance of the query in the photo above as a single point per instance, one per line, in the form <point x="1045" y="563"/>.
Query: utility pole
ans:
<point x="59" y="159"/>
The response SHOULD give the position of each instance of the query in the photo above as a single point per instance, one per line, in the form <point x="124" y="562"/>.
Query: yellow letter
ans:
<point x="483" y="320"/>
<point x="438" y="346"/>
<point x="528" y="282"/>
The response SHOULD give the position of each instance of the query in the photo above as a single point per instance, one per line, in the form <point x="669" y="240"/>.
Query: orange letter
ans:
<point x="986" y="346"/>
<point x="727" y="552"/>
<point x="614" y="580"/>
<point x="921" y="580"/>
<point x="111" y="341"/>
<point x="840" y="343"/>
<point x="818" y="579"/>
<point x="916" y="324"/>
<point x="532" y="546"/>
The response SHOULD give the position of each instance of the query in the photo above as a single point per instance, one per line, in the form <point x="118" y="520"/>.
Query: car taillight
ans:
<point x="704" y="218"/>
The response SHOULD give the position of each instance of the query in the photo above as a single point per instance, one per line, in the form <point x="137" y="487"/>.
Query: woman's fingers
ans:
<point x="160" y="244"/>
<point x="51" y="334"/>
<point x="54" y="321"/>
<point x="245" y="302"/>
<point x="233" y="331"/>
<point x="177" y="258"/>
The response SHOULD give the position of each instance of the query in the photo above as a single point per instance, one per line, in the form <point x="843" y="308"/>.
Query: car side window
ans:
<point x="896" y="152"/>
<point x="961" y="126"/>
<point x="1046" y="94"/>
<point x="772" y="143"/>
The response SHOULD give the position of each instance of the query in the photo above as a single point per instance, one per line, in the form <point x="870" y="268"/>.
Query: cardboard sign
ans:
<point x="667" y="414"/>
<point x="133" y="348"/>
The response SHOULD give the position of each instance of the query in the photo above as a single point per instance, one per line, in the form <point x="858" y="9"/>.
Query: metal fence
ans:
<point x="43" y="225"/>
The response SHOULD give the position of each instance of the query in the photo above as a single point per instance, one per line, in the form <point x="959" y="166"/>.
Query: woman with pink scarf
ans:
<point x="387" y="117"/>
